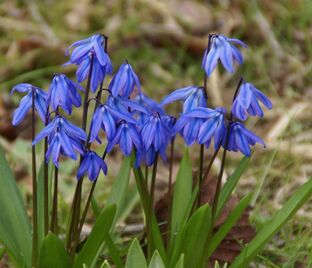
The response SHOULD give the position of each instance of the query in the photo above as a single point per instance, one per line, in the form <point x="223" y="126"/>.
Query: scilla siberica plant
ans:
<point x="143" y="131"/>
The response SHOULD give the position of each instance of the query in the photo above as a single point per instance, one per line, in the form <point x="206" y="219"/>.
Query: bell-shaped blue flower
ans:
<point x="105" y="117"/>
<point x="91" y="165"/>
<point x="40" y="98"/>
<point x="247" y="102"/>
<point x="213" y="125"/>
<point x="98" y="71"/>
<point x="240" y="139"/>
<point x="125" y="105"/>
<point x="192" y="96"/>
<point x="64" y="138"/>
<point x="188" y="127"/>
<point x="223" y="48"/>
<point x="155" y="133"/>
<point x="124" y="81"/>
<point x="83" y="48"/>
<point x="150" y="106"/>
<point x="127" y="137"/>
<point x="64" y="93"/>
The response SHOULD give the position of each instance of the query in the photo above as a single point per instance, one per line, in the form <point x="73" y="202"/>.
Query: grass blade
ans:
<point x="182" y="195"/>
<point x="53" y="253"/>
<point x="120" y="188"/>
<point x="230" y="184"/>
<point x="15" y="232"/>
<point x="228" y="224"/>
<point x="96" y="238"/>
<point x="135" y="256"/>
<point x="156" y="261"/>
<point x="274" y="225"/>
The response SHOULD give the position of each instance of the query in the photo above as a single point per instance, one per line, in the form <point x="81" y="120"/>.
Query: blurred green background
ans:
<point x="164" y="41"/>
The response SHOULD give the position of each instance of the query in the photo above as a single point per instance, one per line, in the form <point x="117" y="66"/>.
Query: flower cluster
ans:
<point x="131" y="119"/>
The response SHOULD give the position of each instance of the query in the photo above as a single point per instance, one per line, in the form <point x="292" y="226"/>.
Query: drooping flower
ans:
<point x="98" y="71"/>
<point x="213" y="125"/>
<point x="124" y="105"/>
<point x="240" y="139"/>
<point x="155" y="136"/>
<point x="83" y="48"/>
<point x="91" y="164"/>
<point x="150" y="106"/>
<point x="26" y="102"/>
<point x="247" y="102"/>
<point x="188" y="127"/>
<point x="106" y="118"/>
<point x="192" y="96"/>
<point x="84" y="51"/>
<point x="64" y="138"/>
<point x="127" y="137"/>
<point x="221" y="47"/>
<point x="64" y="93"/>
<point x="124" y="81"/>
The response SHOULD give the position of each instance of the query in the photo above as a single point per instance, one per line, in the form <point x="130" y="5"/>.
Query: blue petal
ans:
<point x="67" y="146"/>
<point x="45" y="132"/>
<point x="211" y="59"/>
<point x="21" y="111"/>
<point x="22" y="88"/>
<point x="226" y="56"/>
<point x="178" y="94"/>
<point x="207" y="130"/>
<point x="73" y="130"/>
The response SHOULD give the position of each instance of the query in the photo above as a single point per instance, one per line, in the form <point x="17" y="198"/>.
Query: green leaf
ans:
<point x="180" y="263"/>
<point x="230" y="184"/>
<point x="194" y="236"/>
<point x="143" y="192"/>
<point x="53" y="253"/>
<point x="135" y="256"/>
<point x="99" y="233"/>
<point x="40" y="198"/>
<point x="95" y="207"/>
<point x="15" y="233"/>
<point x="105" y="264"/>
<point x="120" y="187"/>
<point x="274" y="225"/>
<point x="228" y="224"/>
<point x="156" y="261"/>
<point x="182" y="194"/>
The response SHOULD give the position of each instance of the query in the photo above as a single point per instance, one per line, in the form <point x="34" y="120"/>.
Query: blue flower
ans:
<point x="192" y="96"/>
<point x="221" y="47"/>
<point x="83" y="48"/>
<point x="213" y="125"/>
<point x="155" y="133"/>
<point x="150" y="105"/>
<point x="64" y="138"/>
<point x="26" y="102"/>
<point x="92" y="165"/>
<point x="64" y="93"/>
<point x="124" y="81"/>
<point x="127" y="137"/>
<point x="188" y="127"/>
<point x="240" y="139"/>
<point x="125" y="105"/>
<point x="247" y="102"/>
<point x="98" y="71"/>
<point x="105" y="117"/>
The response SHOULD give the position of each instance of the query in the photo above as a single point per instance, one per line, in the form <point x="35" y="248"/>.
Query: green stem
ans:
<point x="34" y="189"/>
<point x="46" y="182"/>
<point x="151" y="210"/>
<point x="170" y="192"/>
<point x="54" y="221"/>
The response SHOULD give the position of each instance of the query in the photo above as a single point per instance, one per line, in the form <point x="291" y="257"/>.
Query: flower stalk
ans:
<point x="34" y="187"/>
